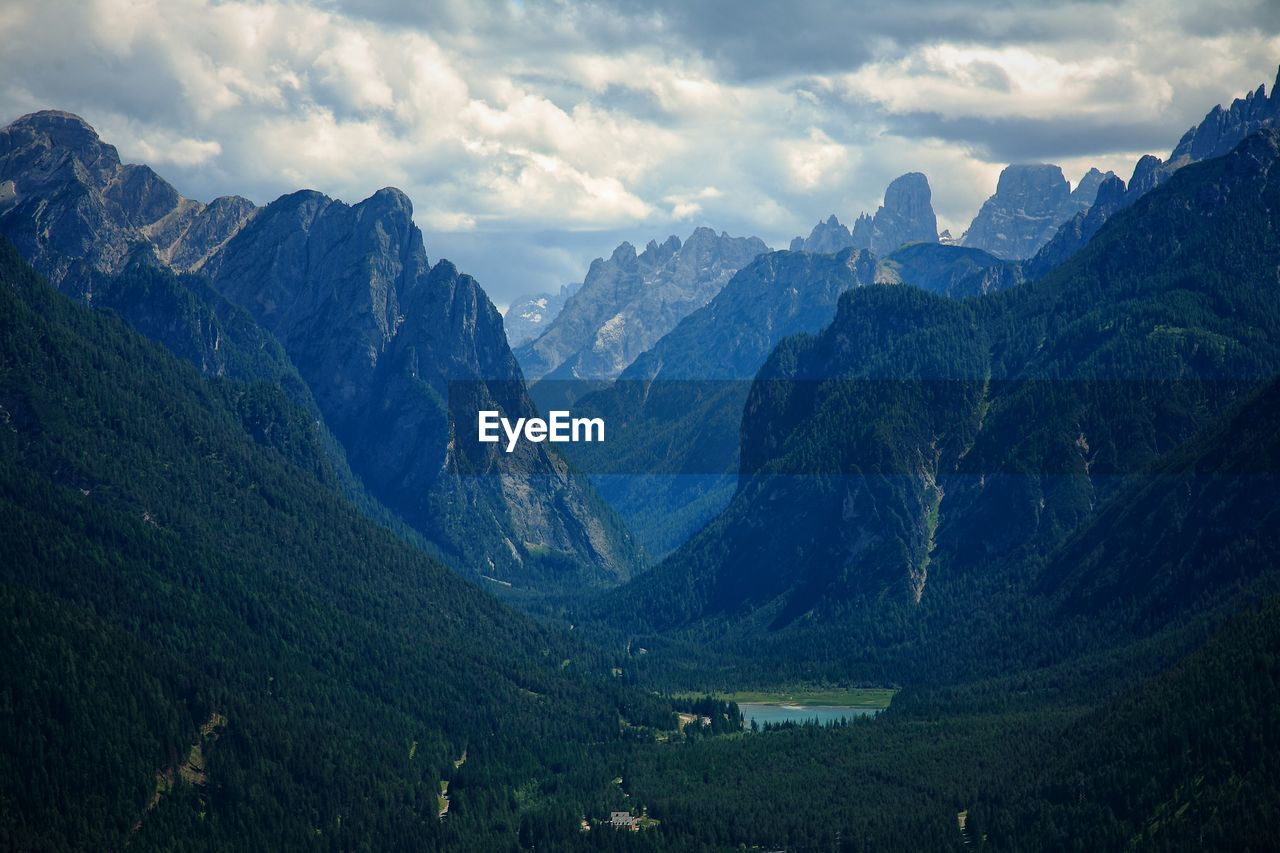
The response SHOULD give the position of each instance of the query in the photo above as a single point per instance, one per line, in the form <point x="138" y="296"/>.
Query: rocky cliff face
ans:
<point x="826" y="238"/>
<point x="675" y="411"/>
<point x="776" y="296"/>
<point x="529" y="315"/>
<point x="905" y="217"/>
<point x="392" y="347"/>
<point x="628" y="302"/>
<point x="1087" y="188"/>
<point x="114" y="234"/>
<point x="1030" y="203"/>
<point x="863" y="474"/>
<point x="388" y="345"/>
<point x="68" y="203"/>
<point x="1079" y="229"/>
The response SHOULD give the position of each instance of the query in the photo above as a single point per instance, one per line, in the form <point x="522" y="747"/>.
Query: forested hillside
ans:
<point x="1183" y="760"/>
<point x="923" y="455"/>
<point x="176" y="556"/>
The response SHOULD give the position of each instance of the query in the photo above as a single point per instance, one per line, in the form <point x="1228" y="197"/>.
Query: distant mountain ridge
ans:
<point x="905" y="217"/>
<point x="677" y="409"/>
<point x="1215" y="136"/>
<point x="1223" y="129"/>
<point x="1030" y="203"/>
<point x="920" y="446"/>
<point x="948" y="269"/>
<point x="629" y="301"/>
<point x="530" y="314"/>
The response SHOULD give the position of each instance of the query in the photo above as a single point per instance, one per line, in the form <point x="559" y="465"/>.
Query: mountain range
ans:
<point x="1215" y="136"/>
<point x="629" y="301"/>
<point x="261" y="585"/>
<point x="922" y="444"/>
<point x="340" y="295"/>
<point x="530" y="314"/>
<point x="188" y="596"/>
<point x="905" y="217"/>
<point x="675" y="412"/>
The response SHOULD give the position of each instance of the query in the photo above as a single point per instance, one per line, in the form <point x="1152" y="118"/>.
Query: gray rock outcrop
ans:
<point x="905" y="217"/>
<point x="529" y="315"/>
<point x="1030" y="204"/>
<point x="628" y="302"/>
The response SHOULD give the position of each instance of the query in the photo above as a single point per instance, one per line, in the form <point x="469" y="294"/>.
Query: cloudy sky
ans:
<point x="534" y="136"/>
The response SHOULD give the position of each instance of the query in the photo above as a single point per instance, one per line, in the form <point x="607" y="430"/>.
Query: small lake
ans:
<point x="800" y="713"/>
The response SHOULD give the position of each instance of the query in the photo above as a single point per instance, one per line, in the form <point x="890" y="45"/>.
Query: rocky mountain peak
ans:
<point x="906" y="216"/>
<point x="445" y="268"/>
<point x="1222" y="129"/>
<point x="1032" y="200"/>
<point x="1023" y="182"/>
<point x="908" y="193"/>
<point x="1087" y="187"/>
<point x="384" y="340"/>
<point x="66" y="195"/>
<point x="64" y="130"/>
<point x="55" y="147"/>
<point x="655" y="252"/>
<point x="624" y="253"/>
<point x="826" y="238"/>
<point x="390" y="200"/>
<point x="1147" y="174"/>
<point x="863" y="230"/>
<point x="530" y="314"/>
<point x="1111" y="191"/>
<point x="1080" y="228"/>
<point x="627" y="302"/>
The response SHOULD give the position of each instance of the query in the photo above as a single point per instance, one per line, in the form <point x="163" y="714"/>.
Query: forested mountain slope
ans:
<point x="671" y="462"/>
<point x="1181" y="760"/>
<point x="921" y="452"/>
<point x="177" y="556"/>
<point x="338" y="305"/>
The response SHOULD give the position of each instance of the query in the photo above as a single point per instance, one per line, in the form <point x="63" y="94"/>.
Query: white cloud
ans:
<point x="160" y="147"/>
<point x="687" y="205"/>
<point x="961" y="80"/>
<point x="814" y="160"/>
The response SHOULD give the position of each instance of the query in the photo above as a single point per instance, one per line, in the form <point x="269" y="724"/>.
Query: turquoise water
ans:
<point x="799" y="713"/>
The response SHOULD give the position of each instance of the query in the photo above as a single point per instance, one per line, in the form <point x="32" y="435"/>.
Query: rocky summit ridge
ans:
<point x="905" y="217"/>
<point x="388" y="345"/>
<point x="629" y="301"/>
